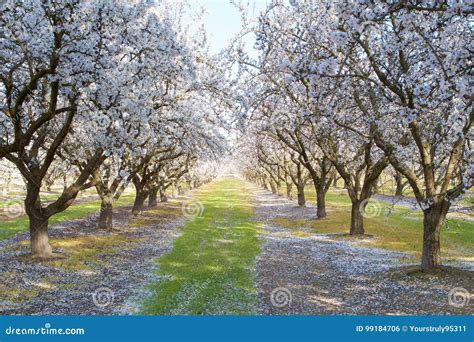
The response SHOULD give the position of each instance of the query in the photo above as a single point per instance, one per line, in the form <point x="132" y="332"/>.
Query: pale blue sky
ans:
<point x="223" y="20"/>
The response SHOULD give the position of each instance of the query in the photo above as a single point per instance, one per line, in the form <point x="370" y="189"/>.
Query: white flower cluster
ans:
<point x="378" y="79"/>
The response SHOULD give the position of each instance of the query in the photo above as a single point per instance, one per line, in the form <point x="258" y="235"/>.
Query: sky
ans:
<point x="223" y="21"/>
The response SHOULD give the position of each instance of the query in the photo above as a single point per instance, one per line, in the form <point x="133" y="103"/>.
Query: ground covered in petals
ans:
<point x="301" y="272"/>
<point x="228" y="248"/>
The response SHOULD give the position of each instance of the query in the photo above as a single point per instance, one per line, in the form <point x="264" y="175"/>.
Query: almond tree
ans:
<point x="274" y="114"/>
<point x="146" y="77"/>
<point x="406" y="67"/>
<point x="56" y="75"/>
<point x="415" y="60"/>
<point x="47" y="57"/>
<point x="393" y="75"/>
<point x="170" y="173"/>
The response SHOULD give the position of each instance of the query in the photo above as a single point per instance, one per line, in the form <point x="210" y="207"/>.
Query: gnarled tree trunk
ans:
<point x="153" y="198"/>
<point x="140" y="198"/>
<point x="39" y="236"/>
<point x="399" y="185"/>
<point x="289" y="194"/>
<point x="357" y="219"/>
<point x="433" y="219"/>
<point x="273" y="188"/>
<point x="106" y="214"/>
<point x="301" y="196"/>
<point x="321" y="199"/>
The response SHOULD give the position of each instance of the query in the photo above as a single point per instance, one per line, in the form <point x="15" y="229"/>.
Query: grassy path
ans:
<point x="210" y="269"/>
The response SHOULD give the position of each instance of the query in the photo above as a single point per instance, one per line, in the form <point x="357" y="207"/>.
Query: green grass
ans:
<point x="210" y="267"/>
<point x="80" y="252"/>
<point x="401" y="230"/>
<point x="12" y="227"/>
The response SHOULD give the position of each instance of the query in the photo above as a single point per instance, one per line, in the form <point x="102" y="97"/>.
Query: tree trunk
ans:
<point x="153" y="198"/>
<point x="357" y="220"/>
<point x="106" y="214"/>
<point x="140" y="199"/>
<point x="301" y="196"/>
<point x="433" y="219"/>
<point x="399" y="186"/>
<point x="376" y="187"/>
<point x="163" y="197"/>
<point x="320" y="200"/>
<point x="40" y="246"/>
<point x="289" y="194"/>
<point x="272" y="186"/>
